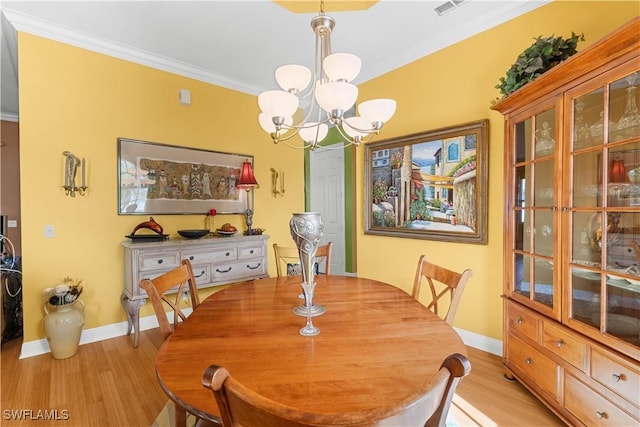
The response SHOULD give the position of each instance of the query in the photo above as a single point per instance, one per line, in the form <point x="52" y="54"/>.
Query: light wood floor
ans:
<point x="109" y="383"/>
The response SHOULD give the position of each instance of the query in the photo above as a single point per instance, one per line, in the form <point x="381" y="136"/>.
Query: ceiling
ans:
<point x="238" y="44"/>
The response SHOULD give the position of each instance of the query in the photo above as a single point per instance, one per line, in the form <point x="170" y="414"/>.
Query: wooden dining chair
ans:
<point x="241" y="406"/>
<point x="288" y="259"/>
<point x="167" y="290"/>
<point x="443" y="284"/>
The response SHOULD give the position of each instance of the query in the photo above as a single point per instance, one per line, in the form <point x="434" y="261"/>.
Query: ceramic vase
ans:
<point x="306" y="231"/>
<point x="63" y="326"/>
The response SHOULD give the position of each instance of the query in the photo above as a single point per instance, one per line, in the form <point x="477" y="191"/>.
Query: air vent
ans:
<point x="448" y="6"/>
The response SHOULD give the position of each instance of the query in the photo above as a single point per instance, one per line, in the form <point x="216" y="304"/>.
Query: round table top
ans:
<point x="377" y="345"/>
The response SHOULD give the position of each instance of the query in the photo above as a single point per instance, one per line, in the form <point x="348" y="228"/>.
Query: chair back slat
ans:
<point x="445" y="286"/>
<point x="160" y="289"/>
<point x="289" y="256"/>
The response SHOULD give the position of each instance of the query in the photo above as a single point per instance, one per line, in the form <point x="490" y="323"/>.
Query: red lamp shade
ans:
<point x="247" y="180"/>
<point x="617" y="173"/>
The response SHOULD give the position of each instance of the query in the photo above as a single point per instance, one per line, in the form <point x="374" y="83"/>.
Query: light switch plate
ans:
<point x="49" y="232"/>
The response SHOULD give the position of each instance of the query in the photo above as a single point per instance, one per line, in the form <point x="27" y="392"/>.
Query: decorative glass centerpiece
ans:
<point x="307" y="230"/>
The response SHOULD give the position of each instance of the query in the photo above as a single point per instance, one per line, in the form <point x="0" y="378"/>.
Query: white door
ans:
<point x="326" y="171"/>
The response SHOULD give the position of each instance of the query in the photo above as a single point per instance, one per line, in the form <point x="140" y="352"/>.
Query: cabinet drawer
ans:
<point x="543" y="371"/>
<point x="523" y="322"/>
<point x="162" y="260"/>
<point x="250" y="252"/>
<point x="623" y="379"/>
<point x="238" y="270"/>
<point x="223" y="255"/>
<point x="564" y="345"/>
<point x="592" y="408"/>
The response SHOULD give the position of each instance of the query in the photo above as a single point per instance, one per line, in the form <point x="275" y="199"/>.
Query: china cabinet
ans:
<point x="572" y="233"/>
<point x="215" y="261"/>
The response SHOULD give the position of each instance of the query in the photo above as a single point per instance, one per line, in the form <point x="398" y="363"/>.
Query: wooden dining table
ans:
<point x="377" y="346"/>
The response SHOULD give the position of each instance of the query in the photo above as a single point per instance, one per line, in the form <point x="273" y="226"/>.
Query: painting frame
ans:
<point x="163" y="179"/>
<point x="412" y="190"/>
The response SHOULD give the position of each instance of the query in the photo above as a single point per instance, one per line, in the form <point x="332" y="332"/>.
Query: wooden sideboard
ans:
<point x="216" y="261"/>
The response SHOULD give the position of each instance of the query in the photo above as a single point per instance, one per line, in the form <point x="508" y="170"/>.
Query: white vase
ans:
<point x="63" y="326"/>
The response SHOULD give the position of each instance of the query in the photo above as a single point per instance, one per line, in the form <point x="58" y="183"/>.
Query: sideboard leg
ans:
<point x="509" y="377"/>
<point x="132" y="308"/>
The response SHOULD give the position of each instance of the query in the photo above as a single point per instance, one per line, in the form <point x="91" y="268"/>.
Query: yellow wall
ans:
<point x="73" y="99"/>
<point x="76" y="100"/>
<point x="454" y="86"/>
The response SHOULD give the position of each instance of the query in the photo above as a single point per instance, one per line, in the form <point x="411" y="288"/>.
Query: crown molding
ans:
<point x="29" y="24"/>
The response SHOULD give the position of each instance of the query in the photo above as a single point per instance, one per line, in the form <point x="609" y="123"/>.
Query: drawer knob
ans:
<point x="159" y="261"/>
<point x="559" y="343"/>
<point x="191" y="258"/>
<point x="616" y="377"/>
<point x="251" y="251"/>
<point x="227" y="254"/>
<point x="601" y="414"/>
<point x="520" y="321"/>
<point x="528" y="361"/>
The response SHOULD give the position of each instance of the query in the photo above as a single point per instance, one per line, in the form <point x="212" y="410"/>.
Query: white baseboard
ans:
<point x="472" y="339"/>
<point x="41" y="346"/>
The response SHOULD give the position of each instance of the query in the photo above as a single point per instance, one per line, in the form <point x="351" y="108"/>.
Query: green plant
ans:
<point x="543" y="54"/>
<point x="389" y="219"/>
<point x="419" y="210"/>
<point x="379" y="191"/>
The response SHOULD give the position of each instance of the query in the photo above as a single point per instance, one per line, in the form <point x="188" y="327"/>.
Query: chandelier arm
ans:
<point x="344" y="135"/>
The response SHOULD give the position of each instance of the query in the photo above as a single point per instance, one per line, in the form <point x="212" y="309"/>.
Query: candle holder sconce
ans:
<point x="275" y="192"/>
<point x="72" y="163"/>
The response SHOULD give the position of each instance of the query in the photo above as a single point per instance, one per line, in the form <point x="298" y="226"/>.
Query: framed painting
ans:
<point x="431" y="185"/>
<point x="167" y="179"/>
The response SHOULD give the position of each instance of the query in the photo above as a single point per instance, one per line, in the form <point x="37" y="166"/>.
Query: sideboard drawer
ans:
<point x="161" y="260"/>
<point x="523" y="322"/>
<point x="238" y="270"/>
<point x="564" y="345"/>
<point x="534" y="364"/>
<point x="622" y="378"/>
<point x="250" y="252"/>
<point x="592" y="408"/>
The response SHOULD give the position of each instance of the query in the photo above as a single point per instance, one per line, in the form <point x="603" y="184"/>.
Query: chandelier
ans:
<point x="329" y="96"/>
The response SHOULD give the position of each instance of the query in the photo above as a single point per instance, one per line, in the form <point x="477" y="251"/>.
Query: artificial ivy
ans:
<point x="542" y="55"/>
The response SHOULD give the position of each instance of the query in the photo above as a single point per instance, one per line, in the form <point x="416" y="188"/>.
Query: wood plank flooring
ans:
<point x="109" y="383"/>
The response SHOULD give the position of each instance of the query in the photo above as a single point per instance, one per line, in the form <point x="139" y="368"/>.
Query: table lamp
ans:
<point x="247" y="182"/>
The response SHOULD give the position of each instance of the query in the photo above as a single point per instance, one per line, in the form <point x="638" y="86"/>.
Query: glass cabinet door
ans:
<point x="603" y="207"/>
<point x="534" y="210"/>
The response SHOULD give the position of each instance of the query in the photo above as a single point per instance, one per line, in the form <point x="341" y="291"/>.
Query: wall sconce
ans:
<point x="70" y="171"/>
<point x="247" y="181"/>
<point x="274" y="183"/>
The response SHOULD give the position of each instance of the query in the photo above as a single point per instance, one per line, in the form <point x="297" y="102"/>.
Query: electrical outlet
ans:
<point x="12" y="223"/>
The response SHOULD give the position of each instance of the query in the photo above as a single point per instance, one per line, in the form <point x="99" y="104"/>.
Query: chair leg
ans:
<point x="180" y="417"/>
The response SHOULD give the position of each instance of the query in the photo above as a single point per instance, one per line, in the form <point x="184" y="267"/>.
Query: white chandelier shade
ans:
<point x="313" y="132"/>
<point x="331" y="95"/>
<point x="336" y="96"/>
<point x="342" y="66"/>
<point x="292" y="77"/>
